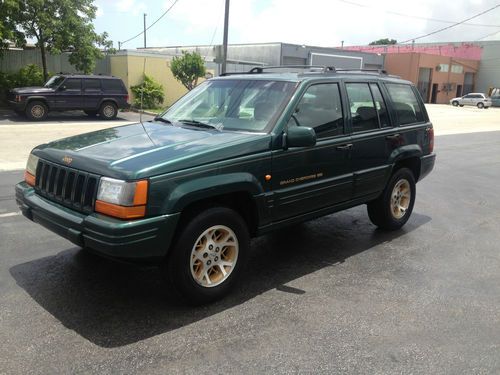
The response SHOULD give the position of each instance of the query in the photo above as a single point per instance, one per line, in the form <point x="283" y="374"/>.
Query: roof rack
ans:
<point x="260" y="69"/>
<point x="378" y="71"/>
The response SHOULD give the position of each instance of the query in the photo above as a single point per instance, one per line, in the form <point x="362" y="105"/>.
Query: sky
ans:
<point x="309" y="22"/>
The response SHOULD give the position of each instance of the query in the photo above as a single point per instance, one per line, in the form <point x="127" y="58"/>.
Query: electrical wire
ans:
<point x="413" y="16"/>
<point x="150" y="26"/>
<point x="449" y="27"/>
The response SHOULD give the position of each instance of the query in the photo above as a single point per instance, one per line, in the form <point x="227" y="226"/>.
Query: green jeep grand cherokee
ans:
<point x="237" y="157"/>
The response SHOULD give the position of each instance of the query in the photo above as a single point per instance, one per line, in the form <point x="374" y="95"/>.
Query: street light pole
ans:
<point x="224" y="41"/>
<point x="144" y="30"/>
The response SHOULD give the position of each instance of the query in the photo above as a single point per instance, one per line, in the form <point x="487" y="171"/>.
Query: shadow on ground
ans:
<point x="8" y="116"/>
<point x="114" y="304"/>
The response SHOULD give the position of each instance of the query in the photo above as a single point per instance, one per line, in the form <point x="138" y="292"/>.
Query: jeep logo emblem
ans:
<point x="67" y="160"/>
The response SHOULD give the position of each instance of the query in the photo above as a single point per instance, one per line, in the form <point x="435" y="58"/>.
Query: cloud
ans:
<point x="132" y="6"/>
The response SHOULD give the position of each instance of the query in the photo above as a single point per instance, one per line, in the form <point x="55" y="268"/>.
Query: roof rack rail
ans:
<point x="379" y="71"/>
<point x="260" y="69"/>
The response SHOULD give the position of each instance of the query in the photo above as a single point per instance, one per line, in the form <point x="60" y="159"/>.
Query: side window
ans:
<point x="73" y="84"/>
<point x="92" y="85"/>
<point x="405" y="103"/>
<point x="363" y="111"/>
<point x="320" y="108"/>
<point x="380" y="105"/>
<point x="112" y="85"/>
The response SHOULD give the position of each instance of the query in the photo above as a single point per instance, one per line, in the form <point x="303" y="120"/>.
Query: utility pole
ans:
<point x="144" y="30"/>
<point x="224" y="41"/>
<point x="119" y="46"/>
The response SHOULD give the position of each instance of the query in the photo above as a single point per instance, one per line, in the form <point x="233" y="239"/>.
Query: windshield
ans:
<point x="232" y="104"/>
<point x="54" y="81"/>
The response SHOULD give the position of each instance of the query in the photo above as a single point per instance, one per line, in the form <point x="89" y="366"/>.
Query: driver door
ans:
<point x="307" y="179"/>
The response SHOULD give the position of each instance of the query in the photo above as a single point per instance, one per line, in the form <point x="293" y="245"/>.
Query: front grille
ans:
<point x="67" y="186"/>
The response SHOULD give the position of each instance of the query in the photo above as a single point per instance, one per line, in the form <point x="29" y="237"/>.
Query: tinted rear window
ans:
<point x="112" y="85"/>
<point x="91" y="84"/>
<point x="405" y="103"/>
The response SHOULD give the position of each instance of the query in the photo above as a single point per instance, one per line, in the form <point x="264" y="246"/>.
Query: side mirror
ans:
<point x="62" y="88"/>
<point x="300" y="136"/>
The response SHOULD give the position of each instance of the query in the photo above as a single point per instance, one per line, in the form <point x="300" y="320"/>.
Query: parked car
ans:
<point x="94" y="94"/>
<point x="238" y="156"/>
<point x="495" y="101"/>
<point x="477" y="99"/>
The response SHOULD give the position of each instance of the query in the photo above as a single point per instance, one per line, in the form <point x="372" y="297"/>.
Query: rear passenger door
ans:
<point x="373" y="137"/>
<point x="92" y="93"/>
<point x="306" y="179"/>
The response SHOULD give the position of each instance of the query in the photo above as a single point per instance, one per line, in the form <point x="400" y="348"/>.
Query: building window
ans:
<point x="443" y="68"/>
<point x="457" y="69"/>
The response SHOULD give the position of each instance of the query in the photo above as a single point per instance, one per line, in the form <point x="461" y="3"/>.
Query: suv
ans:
<point x="474" y="98"/>
<point x="238" y="156"/>
<point x="94" y="94"/>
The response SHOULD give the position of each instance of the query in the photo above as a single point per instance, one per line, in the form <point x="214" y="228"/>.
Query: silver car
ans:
<point x="477" y="99"/>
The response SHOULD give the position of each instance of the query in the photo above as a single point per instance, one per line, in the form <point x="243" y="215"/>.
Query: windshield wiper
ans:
<point x="166" y="121"/>
<point x="201" y="124"/>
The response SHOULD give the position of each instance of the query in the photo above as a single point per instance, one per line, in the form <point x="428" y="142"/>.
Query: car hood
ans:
<point x="31" y="90"/>
<point x="139" y="151"/>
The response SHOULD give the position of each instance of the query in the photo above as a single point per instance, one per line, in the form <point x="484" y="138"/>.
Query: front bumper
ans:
<point x="17" y="106"/>
<point x="144" y="239"/>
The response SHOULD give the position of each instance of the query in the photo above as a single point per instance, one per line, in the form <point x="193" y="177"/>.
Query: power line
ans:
<point x="413" y="16"/>
<point x="449" y="27"/>
<point x="150" y="26"/>
<point x="484" y="37"/>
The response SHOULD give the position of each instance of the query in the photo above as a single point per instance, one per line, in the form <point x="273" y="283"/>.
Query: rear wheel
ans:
<point x="36" y="110"/>
<point x="108" y="111"/>
<point x="480" y="105"/>
<point x="393" y="208"/>
<point x="454" y="103"/>
<point x="208" y="256"/>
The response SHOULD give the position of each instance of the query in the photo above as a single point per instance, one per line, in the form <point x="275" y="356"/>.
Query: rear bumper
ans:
<point x="426" y="165"/>
<point x="141" y="239"/>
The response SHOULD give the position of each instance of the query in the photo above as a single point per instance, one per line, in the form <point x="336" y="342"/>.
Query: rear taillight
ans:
<point x="126" y="98"/>
<point x="430" y="134"/>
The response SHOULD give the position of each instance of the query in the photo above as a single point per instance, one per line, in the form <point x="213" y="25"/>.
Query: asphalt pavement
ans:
<point x="333" y="295"/>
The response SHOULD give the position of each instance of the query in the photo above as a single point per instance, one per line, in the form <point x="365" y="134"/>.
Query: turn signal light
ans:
<point x="29" y="178"/>
<point x="121" y="212"/>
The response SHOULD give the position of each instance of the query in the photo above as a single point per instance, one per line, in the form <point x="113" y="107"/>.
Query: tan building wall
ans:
<point x="407" y="66"/>
<point x="131" y="67"/>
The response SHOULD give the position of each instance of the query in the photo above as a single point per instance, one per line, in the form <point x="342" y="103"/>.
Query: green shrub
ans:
<point x="29" y="75"/>
<point x="152" y="93"/>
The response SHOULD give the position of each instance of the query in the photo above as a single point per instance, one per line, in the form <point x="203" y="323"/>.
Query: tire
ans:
<point x="91" y="113"/>
<point x="399" y="192"/>
<point x="20" y="113"/>
<point x="461" y="105"/>
<point x="108" y="111"/>
<point x="454" y="103"/>
<point x="193" y="266"/>
<point x="480" y="105"/>
<point x="36" y="110"/>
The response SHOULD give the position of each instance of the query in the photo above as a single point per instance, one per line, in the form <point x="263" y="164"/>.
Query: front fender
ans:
<point x="202" y="188"/>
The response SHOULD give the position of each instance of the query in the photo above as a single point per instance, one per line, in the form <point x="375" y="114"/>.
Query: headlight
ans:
<point x="122" y="199"/>
<point x="30" y="173"/>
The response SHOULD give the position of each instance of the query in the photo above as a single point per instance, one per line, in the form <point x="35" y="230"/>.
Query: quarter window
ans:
<point x="321" y="109"/>
<point x="405" y="103"/>
<point x="111" y="85"/>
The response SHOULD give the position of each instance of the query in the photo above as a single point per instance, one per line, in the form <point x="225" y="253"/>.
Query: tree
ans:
<point x="61" y="25"/>
<point x="8" y="32"/>
<point x="383" y="42"/>
<point x="188" y="68"/>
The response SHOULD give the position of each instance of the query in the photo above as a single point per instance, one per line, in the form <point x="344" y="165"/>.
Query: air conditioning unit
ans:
<point x="437" y="68"/>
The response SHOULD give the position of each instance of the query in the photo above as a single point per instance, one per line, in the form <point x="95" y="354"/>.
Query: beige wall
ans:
<point x="130" y="69"/>
<point x="407" y="65"/>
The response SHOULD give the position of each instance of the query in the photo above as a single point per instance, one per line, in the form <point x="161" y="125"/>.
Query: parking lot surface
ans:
<point x="333" y="295"/>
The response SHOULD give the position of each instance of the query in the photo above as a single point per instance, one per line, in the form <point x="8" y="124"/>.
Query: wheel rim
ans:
<point x="37" y="111"/>
<point x="214" y="256"/>
<point x="400" y="198"/>
<point x="108" y="111"/>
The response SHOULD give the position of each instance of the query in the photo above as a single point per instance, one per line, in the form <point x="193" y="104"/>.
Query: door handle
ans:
<point x="344" y="147"/>
<point x="393" y="137"/>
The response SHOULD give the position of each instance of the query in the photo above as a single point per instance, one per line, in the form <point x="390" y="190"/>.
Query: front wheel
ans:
<point x="36" y="110"/>
<point x="208" y="256"/>
<point x="393" y="208"/>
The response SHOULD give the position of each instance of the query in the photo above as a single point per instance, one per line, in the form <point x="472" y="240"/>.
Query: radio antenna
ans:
<point x="142" y="95"/>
